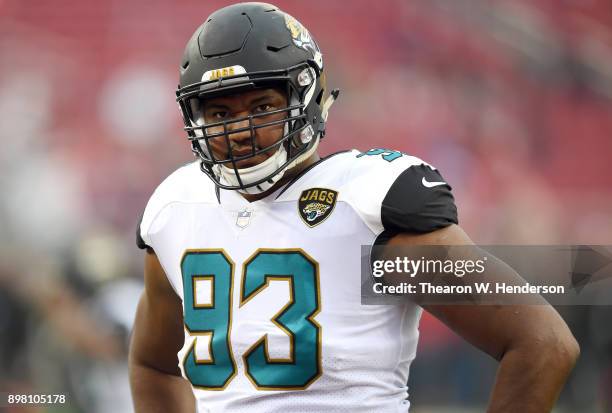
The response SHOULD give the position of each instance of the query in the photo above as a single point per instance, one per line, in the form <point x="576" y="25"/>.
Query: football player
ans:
<point x="252" y="265"/>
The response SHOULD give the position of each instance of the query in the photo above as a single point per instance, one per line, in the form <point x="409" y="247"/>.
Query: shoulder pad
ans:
<point x="392" y="190"/>
<point x="186" y="184"/>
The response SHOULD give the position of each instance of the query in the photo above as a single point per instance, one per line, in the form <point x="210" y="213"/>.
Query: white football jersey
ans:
<point x="271" y="289"/>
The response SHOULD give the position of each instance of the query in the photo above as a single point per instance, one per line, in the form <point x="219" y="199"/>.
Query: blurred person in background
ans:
<point x="52" y="342"/>
<point x="257" y="304"/>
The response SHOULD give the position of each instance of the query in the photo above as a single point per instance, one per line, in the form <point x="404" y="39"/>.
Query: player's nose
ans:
<point x="239" y="132"/>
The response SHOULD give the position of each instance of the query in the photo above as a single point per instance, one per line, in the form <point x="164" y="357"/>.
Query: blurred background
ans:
<point x="511" y="100"/>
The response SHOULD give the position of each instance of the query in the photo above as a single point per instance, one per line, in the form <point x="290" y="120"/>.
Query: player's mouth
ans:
<point x="249" y="162"/>
<point x="242" y="152"/>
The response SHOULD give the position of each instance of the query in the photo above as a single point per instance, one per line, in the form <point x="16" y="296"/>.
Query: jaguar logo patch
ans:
<point x="316" y="204"/>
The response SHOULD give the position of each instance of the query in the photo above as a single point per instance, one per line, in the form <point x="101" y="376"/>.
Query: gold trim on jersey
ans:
<point x="310" y="318"/>
<point x="205" y="332"/>
<point x="195" y="336"/>
<point x="209" y="277"/>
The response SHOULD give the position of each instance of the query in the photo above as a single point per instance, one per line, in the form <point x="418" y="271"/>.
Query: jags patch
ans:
<point x="316" y="204"/>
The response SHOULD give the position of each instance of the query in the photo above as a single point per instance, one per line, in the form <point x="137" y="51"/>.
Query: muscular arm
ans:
<point x="158" y="335"/>
<point x="533" y="345"/>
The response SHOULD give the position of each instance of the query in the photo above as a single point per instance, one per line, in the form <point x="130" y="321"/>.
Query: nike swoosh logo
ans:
<point x="428" y="184"/>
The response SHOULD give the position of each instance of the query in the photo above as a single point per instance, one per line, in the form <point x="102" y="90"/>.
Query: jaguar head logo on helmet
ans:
<point x="245" y="50"/>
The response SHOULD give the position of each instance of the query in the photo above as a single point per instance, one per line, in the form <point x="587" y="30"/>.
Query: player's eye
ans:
<point x="219" y="114"/>
<point x="263" y="108"/>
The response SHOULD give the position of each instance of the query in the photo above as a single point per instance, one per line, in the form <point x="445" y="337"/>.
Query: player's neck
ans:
<point x="290" y="174"/>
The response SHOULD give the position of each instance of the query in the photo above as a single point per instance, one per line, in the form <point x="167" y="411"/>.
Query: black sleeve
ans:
<point x="139" y="241"/>
<point x="418" y="202"/>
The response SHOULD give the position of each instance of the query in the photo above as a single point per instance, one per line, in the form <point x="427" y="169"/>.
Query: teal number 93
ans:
<point x="213" y="318"/>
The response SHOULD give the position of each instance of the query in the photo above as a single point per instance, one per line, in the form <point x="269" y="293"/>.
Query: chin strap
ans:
<point x="260" y="171"/>
<point x="255" y="173"/>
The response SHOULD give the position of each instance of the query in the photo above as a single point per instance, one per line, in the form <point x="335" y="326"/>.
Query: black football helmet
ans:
<point x="243" y="47"/>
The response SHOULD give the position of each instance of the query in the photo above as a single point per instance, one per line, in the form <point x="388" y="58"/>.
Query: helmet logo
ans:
<point x="222" y="72"/>
<point x="299" y="34"/>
